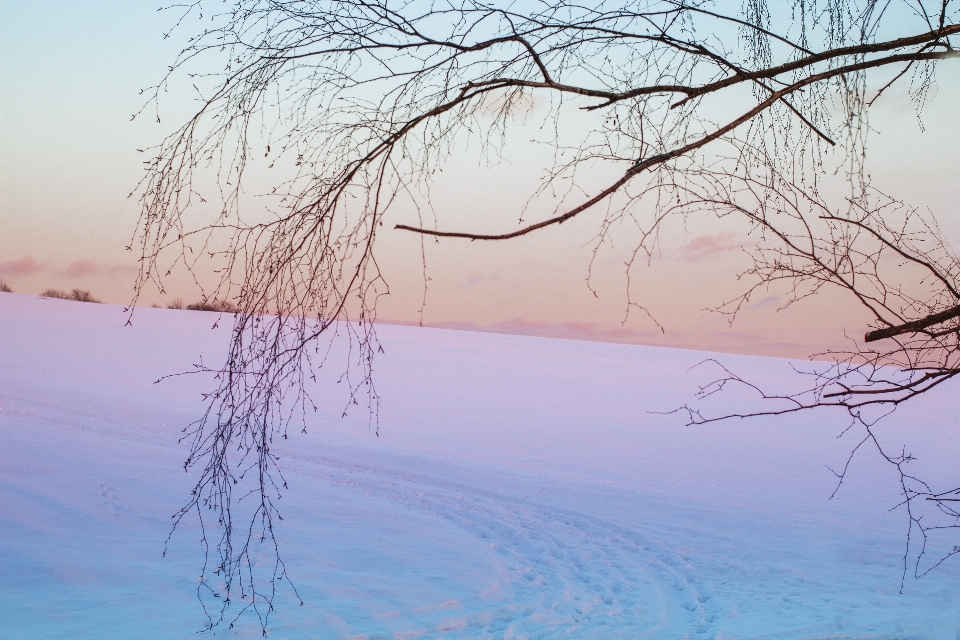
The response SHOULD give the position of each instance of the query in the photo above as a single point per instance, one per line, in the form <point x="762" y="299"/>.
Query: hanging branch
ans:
<point x="356" y="105"/>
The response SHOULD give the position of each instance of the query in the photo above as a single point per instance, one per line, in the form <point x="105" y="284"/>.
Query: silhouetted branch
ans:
<point x="674" y="110"/>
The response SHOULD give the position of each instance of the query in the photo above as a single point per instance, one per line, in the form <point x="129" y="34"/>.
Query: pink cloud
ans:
<point x="25" y="266"/>
<point x="710" y="245"/>
<point x="479" y="279"/>
<point x="29" y="266"/>
<point x="88" y="268"/>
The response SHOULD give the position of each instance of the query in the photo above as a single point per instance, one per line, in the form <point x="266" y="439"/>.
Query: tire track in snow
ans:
<point x="563" y="572"/>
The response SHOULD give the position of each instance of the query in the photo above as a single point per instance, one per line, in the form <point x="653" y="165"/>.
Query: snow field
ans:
<point x="518" y="488"/>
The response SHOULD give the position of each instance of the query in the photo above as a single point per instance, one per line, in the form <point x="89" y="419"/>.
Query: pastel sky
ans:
<point x="71" y="74"/>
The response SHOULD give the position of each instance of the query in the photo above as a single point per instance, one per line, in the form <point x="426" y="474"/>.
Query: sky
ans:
<point x="71" y="78"/>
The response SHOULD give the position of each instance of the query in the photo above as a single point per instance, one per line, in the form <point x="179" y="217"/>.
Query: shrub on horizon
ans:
<point x="77" y="295"/>
<point x="213" y="305"/>
<point x="5" y="288"/>
<point x="176" y="303"/>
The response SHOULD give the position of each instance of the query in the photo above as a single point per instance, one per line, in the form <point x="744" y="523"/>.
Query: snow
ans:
<point x="519" y="488"/>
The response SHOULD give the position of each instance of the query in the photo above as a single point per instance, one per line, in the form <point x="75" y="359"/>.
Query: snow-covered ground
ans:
<point x="519" y="488"/>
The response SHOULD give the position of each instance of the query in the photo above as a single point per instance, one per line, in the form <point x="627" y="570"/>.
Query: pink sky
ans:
<point x="71" y="79"/>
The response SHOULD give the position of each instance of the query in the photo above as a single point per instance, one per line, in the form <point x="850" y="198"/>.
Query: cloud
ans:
<point x="25" y="266"/>
<point x="769" y="301"/>
<point x="89" y="268"/>
<point x="30" y="266"/>
<point x="708" y="246"/>
<point x="476" y="279"/>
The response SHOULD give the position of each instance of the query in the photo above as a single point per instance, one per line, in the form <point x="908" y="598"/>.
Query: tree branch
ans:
<point x="913" y="327"/>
